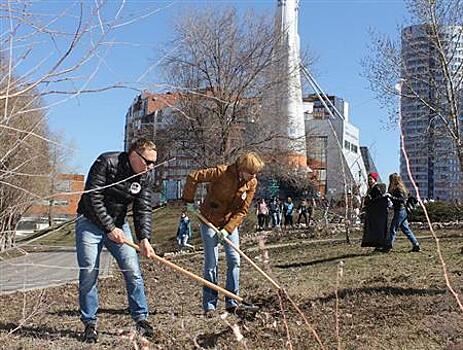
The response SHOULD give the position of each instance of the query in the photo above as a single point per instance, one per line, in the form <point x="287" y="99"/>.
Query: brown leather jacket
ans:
<point x="228" y="198"/>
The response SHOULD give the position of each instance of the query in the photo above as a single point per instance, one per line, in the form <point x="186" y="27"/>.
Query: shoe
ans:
<point x="145" y="329"/>
<point x="90" y="334"/>
<point x="416" y="249"/>
<point x="209" y="313"/>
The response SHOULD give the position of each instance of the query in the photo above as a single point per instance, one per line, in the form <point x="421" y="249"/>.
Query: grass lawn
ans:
<point x="382" y="301"/>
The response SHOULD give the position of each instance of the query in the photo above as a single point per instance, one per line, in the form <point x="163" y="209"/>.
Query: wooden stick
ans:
<point x="189" y="274"/>
<point x="239" y="251"/>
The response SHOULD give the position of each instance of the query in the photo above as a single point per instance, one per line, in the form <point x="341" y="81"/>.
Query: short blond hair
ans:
<point x="250" y="162"/>
<point x="142" y="144"/>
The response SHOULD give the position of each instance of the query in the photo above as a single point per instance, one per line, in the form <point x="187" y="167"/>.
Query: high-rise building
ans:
<point x="432" y="153"/>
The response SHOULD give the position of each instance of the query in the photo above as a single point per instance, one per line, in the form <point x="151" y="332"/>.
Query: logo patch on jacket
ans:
<point x="135" y="188"/>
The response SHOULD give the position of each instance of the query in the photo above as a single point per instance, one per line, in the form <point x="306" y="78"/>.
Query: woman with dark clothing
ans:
<point x="375" y="215"/>
<point x="275" y="212"/>
<point x="288" y="208"/>
<point x="303" y="211"/>
<point x="398" y="195"/>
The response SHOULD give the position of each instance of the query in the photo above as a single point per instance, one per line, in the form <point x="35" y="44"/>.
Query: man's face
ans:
<point x="371" y="181"/>
<point x="143" y="160"/>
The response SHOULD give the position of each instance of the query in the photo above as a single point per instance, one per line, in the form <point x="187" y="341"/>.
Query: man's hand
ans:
<point x="146" y="249"/>
<point x="117" y="235"/>
<point x="222" y="234"/>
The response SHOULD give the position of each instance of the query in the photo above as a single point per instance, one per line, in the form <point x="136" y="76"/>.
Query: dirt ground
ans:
<point x="379" y="301"/>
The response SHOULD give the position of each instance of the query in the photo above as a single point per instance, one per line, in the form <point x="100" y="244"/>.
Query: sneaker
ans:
<point x="90" y="334"/>
<point x="416" y="249"/>
<point x="145" y="329"/>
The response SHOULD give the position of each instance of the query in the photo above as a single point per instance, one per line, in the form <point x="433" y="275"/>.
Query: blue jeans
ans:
<point x="182" y="240"/>
<point x="276" y="219"/>
<point x="399" y="220"/>
<point x="211" y="258"/>
<point x="89" y="243"/>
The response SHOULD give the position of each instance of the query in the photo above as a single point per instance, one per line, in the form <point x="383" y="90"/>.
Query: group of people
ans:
<point x="277" y="213"/>
<point x="119" y="179"/>
<point x="378" y="232"/>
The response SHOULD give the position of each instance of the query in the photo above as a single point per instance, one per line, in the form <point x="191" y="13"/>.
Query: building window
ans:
<point x="347" y="145"/>
<point x="63" y="186"/>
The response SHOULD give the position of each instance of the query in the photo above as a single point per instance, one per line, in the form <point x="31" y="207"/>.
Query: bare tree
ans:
<point x="220" y="71"/>
<point x="428" y="65"/>
<point x="50" y="53"/>
<point x="24" y="163"/>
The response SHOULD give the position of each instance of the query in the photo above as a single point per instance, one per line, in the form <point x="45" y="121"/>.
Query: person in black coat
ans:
<point x="375" y="214"/>
<point x="115" y="180"/>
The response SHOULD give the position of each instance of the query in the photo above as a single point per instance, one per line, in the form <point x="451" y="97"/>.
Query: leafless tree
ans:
<point x="430" y="74"/>
<point x="220" y="71"/>
<point x="50" y="53"/>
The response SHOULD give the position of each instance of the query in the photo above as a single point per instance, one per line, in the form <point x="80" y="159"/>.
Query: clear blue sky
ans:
<point x="336" y="31"/>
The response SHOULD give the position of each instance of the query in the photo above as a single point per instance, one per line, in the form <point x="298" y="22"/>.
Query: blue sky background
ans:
<point x="337" y="32"/>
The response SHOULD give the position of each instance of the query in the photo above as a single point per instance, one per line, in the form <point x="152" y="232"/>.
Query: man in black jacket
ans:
<point x="115" y="180"/>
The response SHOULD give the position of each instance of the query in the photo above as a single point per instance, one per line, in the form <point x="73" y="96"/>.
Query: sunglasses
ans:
<point x="147" y="161"/>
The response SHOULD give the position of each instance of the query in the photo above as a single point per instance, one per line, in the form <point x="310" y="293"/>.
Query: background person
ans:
<point x="375" y="214"/>
<point x="398" y="193"/>
<point x="262" y="214"/>
<point x="184" y="231"/>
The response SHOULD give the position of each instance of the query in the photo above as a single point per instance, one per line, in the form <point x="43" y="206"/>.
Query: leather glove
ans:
<point x="222" y="234"/>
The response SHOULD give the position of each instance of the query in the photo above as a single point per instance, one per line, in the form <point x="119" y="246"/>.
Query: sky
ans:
<point x="337" y="32"/>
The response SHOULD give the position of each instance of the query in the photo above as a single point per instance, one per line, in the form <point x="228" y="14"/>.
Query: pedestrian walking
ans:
<point x="184" y="231"/>
<point x="398" y="194"/>
<point x="374" y="209"/>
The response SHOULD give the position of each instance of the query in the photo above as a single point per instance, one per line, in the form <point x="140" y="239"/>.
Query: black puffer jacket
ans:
<point x="107" y="208"/>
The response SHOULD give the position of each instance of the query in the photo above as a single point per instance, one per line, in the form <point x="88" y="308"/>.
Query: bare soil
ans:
<point x="381" y="301"/>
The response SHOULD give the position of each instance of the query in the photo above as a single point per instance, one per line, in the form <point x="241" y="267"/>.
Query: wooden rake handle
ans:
<point x="189" y="274"/>
<point x="239" y="251"/>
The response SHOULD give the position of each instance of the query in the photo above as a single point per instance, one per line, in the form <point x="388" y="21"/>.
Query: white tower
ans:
<point x="287" y="102"/>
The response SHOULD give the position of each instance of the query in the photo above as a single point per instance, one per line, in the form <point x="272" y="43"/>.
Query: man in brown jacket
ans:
<point x="229" y="196"/>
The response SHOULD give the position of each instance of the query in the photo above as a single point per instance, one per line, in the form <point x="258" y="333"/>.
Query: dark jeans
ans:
<point x="262" y="220"/>
<point x="302" y="214"/>
<point x="289" y="219"/>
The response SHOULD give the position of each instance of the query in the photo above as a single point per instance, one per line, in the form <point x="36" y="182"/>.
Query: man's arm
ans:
<point x="95" y="199"/>
<point x="199" y="176"/>
<point x="142" y="212"/>
<point x="239" y="215"/>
